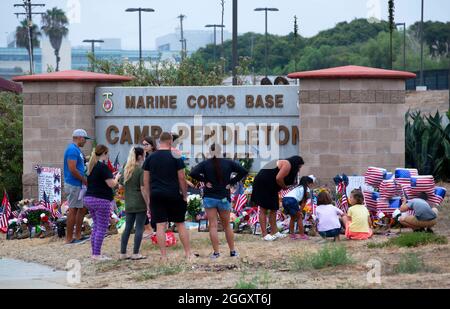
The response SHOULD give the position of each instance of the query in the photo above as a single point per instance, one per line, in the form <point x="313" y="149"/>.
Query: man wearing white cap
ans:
<point x="74" y="178"/>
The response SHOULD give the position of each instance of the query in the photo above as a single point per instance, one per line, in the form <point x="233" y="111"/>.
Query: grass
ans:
<point x="328" y="256"/>
<point x="411" y="240"/>
<point x="257" y="281"/>
<point x="410" y="263"/>
<point x="163" y="270"/>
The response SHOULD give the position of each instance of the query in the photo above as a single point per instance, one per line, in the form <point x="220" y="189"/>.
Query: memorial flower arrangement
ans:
<point x="194" y="206"/>
<point x="33" y="215"/>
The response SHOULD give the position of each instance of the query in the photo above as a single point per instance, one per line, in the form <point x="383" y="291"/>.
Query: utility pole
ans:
<point x="234" y="62"/>
<point x="183" y="40"/>
<point x="28" y="6"/>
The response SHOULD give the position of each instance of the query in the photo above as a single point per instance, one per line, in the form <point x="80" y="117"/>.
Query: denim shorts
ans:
<point x="223" y="204"/>
<point x="330" y="233"/>
<point x="290" y="206"/>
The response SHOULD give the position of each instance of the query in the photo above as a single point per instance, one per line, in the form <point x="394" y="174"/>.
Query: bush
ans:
<point x="428" y="144"/>
<point x="329" y="256"/>
<point x="412" y="239"/>
<point x="410" y="263"/>
<point x="11" y="156"/>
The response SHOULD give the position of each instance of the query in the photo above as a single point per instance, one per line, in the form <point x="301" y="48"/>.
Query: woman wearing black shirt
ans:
<point x="98" y="197"/>
<point x="216" y="174"/>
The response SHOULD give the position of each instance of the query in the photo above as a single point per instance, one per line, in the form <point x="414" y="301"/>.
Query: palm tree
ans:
<point x="22" y="36"/>
<point x="391" y="6"/>
<point x="54" y="24"/>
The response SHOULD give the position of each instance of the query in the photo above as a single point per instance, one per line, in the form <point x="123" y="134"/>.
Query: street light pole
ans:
<point x="404" y="44"/>
<point x="421" y="48"/>
<point x="234" y="61"/>
<point x="266" y="48"/>
<point x="215" y="26"/>
<point x="92" y="48"/>
<point x="140" y="31"/>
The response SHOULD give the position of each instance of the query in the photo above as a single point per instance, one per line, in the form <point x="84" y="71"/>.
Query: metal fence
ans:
<point x="433" y="79"/>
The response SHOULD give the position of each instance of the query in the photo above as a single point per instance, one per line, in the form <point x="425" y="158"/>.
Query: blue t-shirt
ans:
<point x="73" y="153"/>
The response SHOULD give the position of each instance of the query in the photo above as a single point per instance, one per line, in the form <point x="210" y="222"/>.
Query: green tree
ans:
<point x="22" y="36"/>
<point x="54" y="25"/>
<point x="11" y="145"/>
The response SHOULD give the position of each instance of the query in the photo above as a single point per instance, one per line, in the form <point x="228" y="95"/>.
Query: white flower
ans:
<point x="25" y="220"/>
<point x="12" y="221"/>
<point x="42" y="215"/>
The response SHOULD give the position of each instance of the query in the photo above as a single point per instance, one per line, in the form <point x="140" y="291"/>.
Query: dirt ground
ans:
<point x="266" y="264"/>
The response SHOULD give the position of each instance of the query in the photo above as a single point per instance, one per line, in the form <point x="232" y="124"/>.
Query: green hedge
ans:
<point x="11" y="145"/>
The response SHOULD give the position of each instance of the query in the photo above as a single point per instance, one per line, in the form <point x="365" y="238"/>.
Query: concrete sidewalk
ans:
<point x="16" y="274"/>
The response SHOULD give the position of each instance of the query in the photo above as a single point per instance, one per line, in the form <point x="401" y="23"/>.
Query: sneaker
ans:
<point x="234" y="253"/>
<point x="214" y="255"/>
<point x="101" y="258"/>
<point x="269" y="237"/>
<point x="279" y="235"/>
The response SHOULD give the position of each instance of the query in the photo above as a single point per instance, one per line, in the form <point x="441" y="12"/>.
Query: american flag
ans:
<point x="374" y="176"/>
<point x="254" y="218"/>
<point x="51" y="207"/>
<point x="280" y="216"/>
<point x="6" y="213"/>
<point x="241" y="202"/>
<point x="110" y="166"/>
<point x="342" y="202"/>
<point x="116" y="164"/>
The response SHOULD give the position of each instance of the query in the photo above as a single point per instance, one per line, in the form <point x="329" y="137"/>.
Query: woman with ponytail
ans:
<point x="216" y="174"/>
<point x="136" y="201"/>
<point x="98" y="197"/>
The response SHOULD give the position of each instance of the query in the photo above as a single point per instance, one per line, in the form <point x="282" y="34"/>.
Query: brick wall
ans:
<point x="51" y="111"/>
<point x="348" y="125"/>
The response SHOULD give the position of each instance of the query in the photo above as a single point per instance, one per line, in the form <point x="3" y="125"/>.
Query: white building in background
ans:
<point x="195" y="39"/>
<point x="49" y="58"/>
<point x="111" y="43"/>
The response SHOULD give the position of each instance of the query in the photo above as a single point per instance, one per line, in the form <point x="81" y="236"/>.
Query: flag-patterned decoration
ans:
<point x="241" y="202"/>
<point x="389" y="189"/>
<point x="422" y="184"/>
<point x="51" y="207"/>
<point x="283" y="193"/>
<point x="374" y="176"/>
<point x="405" y="172"/>
<point x="370" y="199"/>
<point x="4" y="217"/>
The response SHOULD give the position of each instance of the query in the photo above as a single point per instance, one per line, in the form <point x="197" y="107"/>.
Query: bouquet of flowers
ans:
<point x="33" y="215"/>
<point x="248" y="182"/>
<point x="194" y="205"/>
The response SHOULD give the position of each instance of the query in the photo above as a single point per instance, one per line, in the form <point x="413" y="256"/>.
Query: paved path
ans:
<point x="16" y="274"/>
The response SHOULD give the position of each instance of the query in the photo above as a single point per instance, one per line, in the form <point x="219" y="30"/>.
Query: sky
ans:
<point x="107" y="18"/>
